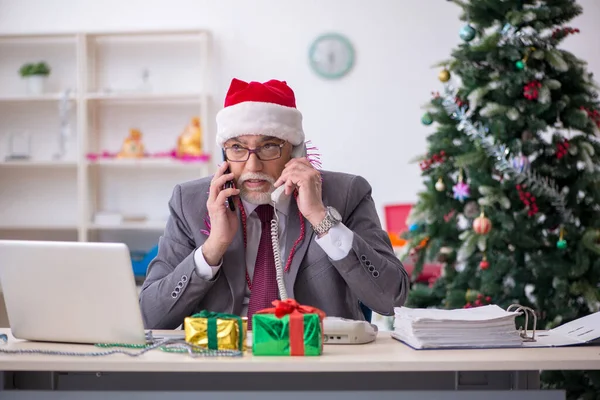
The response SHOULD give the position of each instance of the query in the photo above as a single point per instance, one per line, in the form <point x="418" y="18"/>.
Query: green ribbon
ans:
<point x="212" y="327"/>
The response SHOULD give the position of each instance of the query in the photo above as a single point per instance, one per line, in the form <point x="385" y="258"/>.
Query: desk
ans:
<point x="384" y="365"/>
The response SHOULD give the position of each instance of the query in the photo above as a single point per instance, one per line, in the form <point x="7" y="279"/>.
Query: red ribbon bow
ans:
<point x="295" y="311"/>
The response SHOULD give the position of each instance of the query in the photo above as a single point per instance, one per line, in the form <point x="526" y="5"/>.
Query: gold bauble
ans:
<point x="444" y="75"/>
<point x="439" y="185"/>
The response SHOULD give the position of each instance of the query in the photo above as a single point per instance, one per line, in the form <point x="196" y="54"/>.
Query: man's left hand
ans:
<point x="299" y="173"/>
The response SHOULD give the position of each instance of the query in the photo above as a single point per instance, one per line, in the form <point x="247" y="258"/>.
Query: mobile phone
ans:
<point x="228" y="185"/>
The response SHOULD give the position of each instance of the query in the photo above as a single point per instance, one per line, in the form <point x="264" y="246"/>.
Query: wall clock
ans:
<point x="331" y="56"/>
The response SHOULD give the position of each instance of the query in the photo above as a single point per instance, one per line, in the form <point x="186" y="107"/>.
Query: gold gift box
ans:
<point x="228" y="335"/>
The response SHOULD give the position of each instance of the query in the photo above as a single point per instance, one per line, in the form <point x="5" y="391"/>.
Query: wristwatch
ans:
<point x="332" y="218"/>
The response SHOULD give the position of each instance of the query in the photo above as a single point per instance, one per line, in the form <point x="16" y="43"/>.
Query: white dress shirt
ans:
<point x="336" y="243"/>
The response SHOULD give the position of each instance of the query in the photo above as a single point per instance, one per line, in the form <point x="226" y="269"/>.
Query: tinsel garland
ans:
<point x="505" y="162"/>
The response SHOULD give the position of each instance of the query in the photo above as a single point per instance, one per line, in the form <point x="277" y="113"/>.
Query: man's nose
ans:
<point x="254" y="164"/>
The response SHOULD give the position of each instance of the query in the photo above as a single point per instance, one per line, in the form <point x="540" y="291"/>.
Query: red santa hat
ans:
<point x="256" y="108"/>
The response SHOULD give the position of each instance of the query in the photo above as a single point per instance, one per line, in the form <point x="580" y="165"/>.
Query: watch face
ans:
<point x="335" y="214"/>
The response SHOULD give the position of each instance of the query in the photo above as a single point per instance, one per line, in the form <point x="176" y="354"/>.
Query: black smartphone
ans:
<point x="228" y="184"/>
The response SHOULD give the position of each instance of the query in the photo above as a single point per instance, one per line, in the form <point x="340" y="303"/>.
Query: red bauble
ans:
<point x="482" y="225"/>
<point x="484" y="264"/>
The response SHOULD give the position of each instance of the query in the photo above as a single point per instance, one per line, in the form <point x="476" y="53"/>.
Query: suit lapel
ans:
<point x="292" y="234"/>
<point x="234" y="265"/>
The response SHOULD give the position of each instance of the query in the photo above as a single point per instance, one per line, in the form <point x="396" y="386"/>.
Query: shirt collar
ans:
<point x="283" y="206"/>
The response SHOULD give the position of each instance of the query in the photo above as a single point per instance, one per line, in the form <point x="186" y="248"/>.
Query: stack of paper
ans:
<point x="479" y="327"/>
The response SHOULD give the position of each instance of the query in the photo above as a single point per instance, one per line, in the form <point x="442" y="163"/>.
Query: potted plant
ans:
<point x="35" y="74"/>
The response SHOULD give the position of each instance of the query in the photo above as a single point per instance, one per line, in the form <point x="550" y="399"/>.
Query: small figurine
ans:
<point x="189" y="143"/>
<point x="132" y="145"/>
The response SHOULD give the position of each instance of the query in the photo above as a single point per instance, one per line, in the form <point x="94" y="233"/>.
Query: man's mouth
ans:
<point x="254" y="183"/>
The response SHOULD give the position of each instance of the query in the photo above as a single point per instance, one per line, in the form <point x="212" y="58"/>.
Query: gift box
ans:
<point x="216" y="331"/>
<point x="288" y="329"/>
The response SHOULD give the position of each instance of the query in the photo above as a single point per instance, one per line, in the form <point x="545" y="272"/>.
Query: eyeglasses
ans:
<point x="266" y="152"/>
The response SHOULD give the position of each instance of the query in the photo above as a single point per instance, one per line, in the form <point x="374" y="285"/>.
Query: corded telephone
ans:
<point x="336" y="330"/>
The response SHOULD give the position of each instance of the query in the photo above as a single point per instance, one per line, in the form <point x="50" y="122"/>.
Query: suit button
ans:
<point x="174" y="295"/>
<point x="177" y="289"/>
<point x="184" y="279"/>
<point x="363" y="258"/>
<point x="179" y="284"/>
<point x="375" y="274"/>
<point x="371" y="268"/>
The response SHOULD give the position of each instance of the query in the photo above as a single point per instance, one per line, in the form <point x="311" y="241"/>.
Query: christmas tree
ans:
<point x="511" y="205"/>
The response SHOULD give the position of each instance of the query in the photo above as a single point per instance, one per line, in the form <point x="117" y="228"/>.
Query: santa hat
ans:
<point x="256" y="108"/>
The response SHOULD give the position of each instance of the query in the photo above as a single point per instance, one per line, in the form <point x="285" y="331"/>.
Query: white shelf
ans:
<point x="18" y="98"/>
<point x="138" y="226"/>
<point x="153" y="163"/>
<point x="49" y="227"/>
<point x="38" y="164"/>
<point x="145" y="97"/>
<point x="104" y="70"/>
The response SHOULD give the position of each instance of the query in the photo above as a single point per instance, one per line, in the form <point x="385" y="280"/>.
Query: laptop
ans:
<point x="70" y="292"/>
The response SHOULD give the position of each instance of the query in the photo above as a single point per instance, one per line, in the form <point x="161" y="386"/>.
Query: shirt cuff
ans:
<point x="337" y="242"/>
<point x="204" y="270"/>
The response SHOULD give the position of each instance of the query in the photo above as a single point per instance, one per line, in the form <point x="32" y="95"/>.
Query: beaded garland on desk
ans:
<point x="166" y="345"/>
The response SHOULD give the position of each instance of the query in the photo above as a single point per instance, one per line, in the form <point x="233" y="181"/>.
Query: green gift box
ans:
<point x="289" y="329"/>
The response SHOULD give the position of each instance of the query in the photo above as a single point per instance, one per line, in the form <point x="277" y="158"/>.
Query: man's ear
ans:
<point x="299" y="151"/>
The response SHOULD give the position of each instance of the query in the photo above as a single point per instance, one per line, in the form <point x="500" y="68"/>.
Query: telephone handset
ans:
<point x="229" y="185"/>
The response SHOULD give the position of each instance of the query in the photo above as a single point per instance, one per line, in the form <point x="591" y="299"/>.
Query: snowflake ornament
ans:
<point x="461" y="191"/>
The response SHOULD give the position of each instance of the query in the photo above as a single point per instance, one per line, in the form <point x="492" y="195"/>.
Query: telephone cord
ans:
<point x="277" y="256"/>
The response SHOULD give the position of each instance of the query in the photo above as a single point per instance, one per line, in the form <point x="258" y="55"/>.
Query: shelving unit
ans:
<point x="112" y="82"/>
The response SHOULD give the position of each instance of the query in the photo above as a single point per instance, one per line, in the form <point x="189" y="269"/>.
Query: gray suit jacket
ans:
<point x="370" y="273"/>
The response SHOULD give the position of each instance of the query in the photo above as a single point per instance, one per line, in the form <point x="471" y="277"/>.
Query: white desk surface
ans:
<point x="385" y="354"/>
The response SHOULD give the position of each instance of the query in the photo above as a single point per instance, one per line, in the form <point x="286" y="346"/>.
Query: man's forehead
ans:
<point x="251" y="139"/>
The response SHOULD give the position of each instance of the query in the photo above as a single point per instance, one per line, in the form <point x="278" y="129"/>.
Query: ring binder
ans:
<point x="526" y="311"/>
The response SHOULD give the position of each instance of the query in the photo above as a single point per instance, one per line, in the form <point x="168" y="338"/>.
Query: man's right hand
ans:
<point x="223" y="221"/>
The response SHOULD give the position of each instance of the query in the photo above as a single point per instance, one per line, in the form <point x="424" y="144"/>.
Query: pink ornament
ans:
<point x="461" y="191"/>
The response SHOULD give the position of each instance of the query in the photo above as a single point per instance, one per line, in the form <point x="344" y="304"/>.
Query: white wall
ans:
<point x="367" y="123"/>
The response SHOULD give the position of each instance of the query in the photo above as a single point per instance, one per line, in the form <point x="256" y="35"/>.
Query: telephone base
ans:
<point x="346" y="331"/>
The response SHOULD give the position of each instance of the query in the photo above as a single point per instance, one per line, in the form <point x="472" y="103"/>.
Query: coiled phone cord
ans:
<point x="277" y="255"/>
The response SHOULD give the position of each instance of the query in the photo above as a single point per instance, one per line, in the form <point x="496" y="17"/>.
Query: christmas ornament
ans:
<point x="528" y="199"/>
<point x="413" y="227"/>
<point x="426" y="119"/>
<point x="439" y="185"/>
<point x="467" y="33"/>
<point x="594" y="115"/>
<point x="520" y="64"/>
<point x="562" y="148"/>
<point x="444" y="75"/>
<point x="562" y="243"/>
<point x="560" y="33"/>
<point x="482" y="225"/>
<point x="444" y="254"/>
<point x="471" y="209"/>
<point x="437" y="158"/>
<point x="484" y="264"/>
<point x="461" y="189"/>
<point x="521" y="163"/>
<point x="531" y="91"/>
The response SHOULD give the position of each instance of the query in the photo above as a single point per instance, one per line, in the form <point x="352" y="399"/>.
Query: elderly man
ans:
<point x="217" y="252"/>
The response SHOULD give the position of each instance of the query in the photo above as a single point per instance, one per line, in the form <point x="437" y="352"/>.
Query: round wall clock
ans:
<point x="331" y="56"/>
